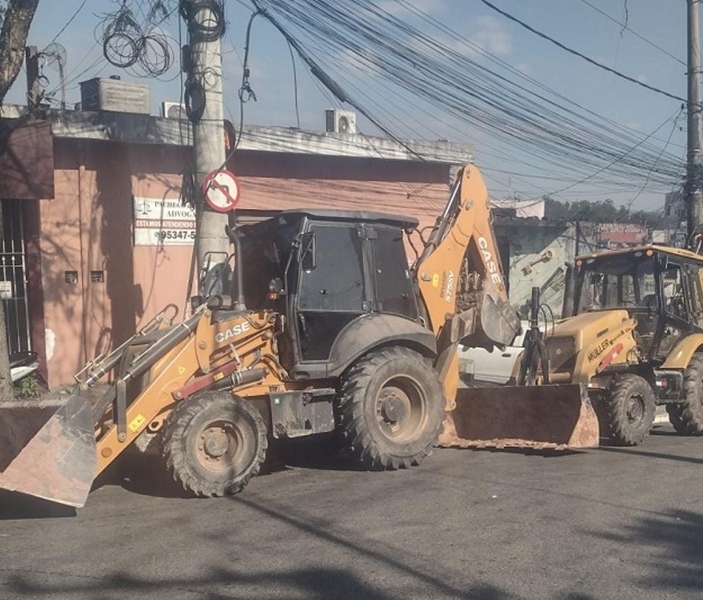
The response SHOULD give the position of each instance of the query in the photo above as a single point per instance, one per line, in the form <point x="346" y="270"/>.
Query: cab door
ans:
<point x="394" y="288"/>
<point x="675" y="294"/>
<point x="695" y="287"/>
<point x="332" y="290"/>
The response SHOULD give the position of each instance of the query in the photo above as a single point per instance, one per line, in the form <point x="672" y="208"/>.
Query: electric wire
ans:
<point x="462" y="40"/>
<point x="674" y="118"/>
<point x="588" y="59"/>
<point x="574" y="143"/>
<point x="646" y="182"/>
<point x="295" y="85"/>
<point x="68" y="23"/>
<point x="625" y="27"/>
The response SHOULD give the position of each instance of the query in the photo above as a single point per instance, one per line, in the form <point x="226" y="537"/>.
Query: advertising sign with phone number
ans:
<point x="159" y="222"/>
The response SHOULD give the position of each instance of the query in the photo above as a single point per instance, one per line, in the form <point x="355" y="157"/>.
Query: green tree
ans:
<point x="601" y="211"/>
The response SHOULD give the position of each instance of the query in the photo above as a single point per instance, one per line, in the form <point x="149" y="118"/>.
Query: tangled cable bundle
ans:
<point x="206" y="23"/>
<point x="203" y="30"/>
<point x="142" y="48"/>
<point x="139" y="44"/>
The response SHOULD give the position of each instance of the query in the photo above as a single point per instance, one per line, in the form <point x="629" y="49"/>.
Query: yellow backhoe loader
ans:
<point x="327" y="329"/>
<point x="635" y="338"/>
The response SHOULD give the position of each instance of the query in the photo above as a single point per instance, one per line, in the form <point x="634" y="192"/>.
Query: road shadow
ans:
<point x="216" y="583"/>
<point x="432" y="577"/>
<point x="427" y="575"/>
<point x="219" y="584"/>
<point x="14" y="506"/>
<point x="145" y="474"/>
<point x="675" y="538"/>
<point x="543" y="452"/>
<point x="664" y="432"/>
<point x="650" y="454"/>
<point x="322" y="452"/>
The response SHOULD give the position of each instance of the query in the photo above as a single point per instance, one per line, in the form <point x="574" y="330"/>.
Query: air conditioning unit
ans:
<point x="173" y="110"/>
<point x="340" y="121"/>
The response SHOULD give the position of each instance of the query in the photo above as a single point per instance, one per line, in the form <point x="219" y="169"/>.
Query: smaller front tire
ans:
<point x="630" y="407"/>
<point x="214" y="443"/>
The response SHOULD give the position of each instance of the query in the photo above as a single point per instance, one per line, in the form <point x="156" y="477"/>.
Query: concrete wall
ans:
<point x="87" y="229"/>
<point x="538" y="254"/>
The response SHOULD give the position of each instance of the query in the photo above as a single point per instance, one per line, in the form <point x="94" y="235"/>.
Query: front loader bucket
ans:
<point x="48" y="453"/>
<point x="541" y="417"/>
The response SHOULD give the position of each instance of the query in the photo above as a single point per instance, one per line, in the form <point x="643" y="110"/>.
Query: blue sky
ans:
<point x="572" y="22"/>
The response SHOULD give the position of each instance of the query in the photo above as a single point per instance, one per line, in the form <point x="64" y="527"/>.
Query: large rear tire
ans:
<point x="390" y="409"/>
<point x="687" y="417"/>
<point x="630" y="408"/>
<point x="214" y="443"/>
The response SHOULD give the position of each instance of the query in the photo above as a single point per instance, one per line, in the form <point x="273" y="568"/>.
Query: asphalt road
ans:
<point x="608" y="523"/>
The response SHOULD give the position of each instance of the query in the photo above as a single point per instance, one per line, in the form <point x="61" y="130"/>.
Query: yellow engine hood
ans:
<point x="589" y="325"/>
<point x="589" y="337"/>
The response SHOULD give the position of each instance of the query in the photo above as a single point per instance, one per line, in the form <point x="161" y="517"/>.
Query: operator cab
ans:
<point x="660" y="287"/>
<point x="331" y="273"/>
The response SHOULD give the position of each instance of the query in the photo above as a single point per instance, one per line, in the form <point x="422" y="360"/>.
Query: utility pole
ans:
<point x="33" y="85"/>
<point x="694" y="166"/>
<point x="567" y="309"/>
<point x="204" y="89"/>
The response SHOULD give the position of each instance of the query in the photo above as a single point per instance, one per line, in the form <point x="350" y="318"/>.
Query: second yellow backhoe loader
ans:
<point x="327" y="329"/>
<point x="635" y="338"/>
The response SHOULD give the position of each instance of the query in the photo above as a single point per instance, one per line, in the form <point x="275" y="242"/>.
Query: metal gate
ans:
<point x="13" y="277"/>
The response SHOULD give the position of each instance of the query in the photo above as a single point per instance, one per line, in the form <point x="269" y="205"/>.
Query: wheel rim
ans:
<point x="635" y="410"/>
<point x="220" y="446"/>
<point x="401" y="408"/>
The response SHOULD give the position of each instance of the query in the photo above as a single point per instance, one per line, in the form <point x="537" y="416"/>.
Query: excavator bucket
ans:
<point x="558" y="417"/>
<point x="47" y="449"/>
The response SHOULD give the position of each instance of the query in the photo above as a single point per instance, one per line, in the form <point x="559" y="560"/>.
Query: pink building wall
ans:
<point x="87" y="229"/>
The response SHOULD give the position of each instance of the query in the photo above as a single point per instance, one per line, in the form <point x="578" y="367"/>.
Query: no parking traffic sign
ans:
<point x="221" y="190"/>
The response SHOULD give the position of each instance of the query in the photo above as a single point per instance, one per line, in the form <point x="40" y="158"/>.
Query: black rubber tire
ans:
<point x="222" y="421"/>
<point x="687" y="417"/>
<point x="630" y="408"/>
<point x="365" y="413"/>
<point x="675" y="412"/>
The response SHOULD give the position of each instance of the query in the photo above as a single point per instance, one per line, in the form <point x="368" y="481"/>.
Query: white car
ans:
<point x="480" y="365"/>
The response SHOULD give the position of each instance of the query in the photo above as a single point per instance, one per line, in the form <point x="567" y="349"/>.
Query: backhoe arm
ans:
<point x="484" y="316"/>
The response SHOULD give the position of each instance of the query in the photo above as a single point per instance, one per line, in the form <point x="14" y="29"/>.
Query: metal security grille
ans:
<point x="13" y="279"/>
